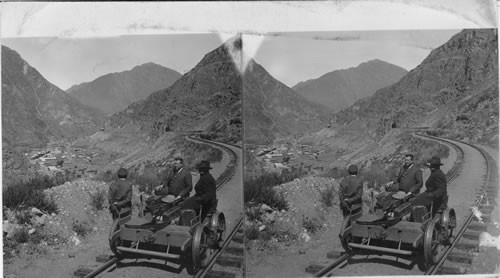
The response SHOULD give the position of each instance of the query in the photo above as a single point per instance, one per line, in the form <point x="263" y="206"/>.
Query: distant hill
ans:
<point x="454" y="90"/>
<point x="113" y="92"/>
<point x="34" y="110"/>
<point x="273" y="110"/>
<point x="207" y="99"/>
<point x="341" y="88"/>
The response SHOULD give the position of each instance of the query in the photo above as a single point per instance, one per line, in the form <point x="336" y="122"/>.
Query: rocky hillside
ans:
<point x="207" y="98"/>
<point x="273" y="110"/>
<point x="455" y="89"/>
<point x="113" y="92"/>
<point x="341" y="88"/>
<point x="34" y="110"/>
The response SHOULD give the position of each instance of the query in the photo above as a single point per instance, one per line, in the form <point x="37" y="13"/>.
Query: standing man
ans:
<point x="120" y="193"/>
<point x="409" y="178"/>
<point x="436" y="191"/>
<point x="351" y="190"/>
<point x="178" y="183"/>
<point x="205" y="190"/>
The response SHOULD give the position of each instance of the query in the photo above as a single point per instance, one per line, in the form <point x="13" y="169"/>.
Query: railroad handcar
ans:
<point x="400" y="229"/>
<point x="162" y="230"/>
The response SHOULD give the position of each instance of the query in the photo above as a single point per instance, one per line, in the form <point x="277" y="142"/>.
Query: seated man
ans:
<point x="120" y="194"/>
<point x="436" y="192"/>
<point x="178" y="183"/>
<point x="409" y="179"/>
<point x="205" y="190"/>
<point x="351" y="190"/>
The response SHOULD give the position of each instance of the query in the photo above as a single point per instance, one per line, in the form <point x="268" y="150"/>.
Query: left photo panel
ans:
<point x="122" y="156"/>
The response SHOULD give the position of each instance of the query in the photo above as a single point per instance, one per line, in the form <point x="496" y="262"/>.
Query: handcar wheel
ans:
<point x="345" y="238"/>
<point x="200" y="248"/>
<point x="433" y="246"/>
<point x="114" y="239"/>
<point x="218" y="225"/>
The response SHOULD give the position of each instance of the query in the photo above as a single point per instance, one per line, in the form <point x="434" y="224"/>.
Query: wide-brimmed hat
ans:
<point x="434" y="161"/>
<point x="204" y="165"/>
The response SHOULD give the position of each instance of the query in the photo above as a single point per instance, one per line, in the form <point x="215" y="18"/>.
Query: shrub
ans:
<point x="260" y="189"/>
<point x="21" y="235"/>
<point x="260" y="193"/>
<point x="28" y="195"/>
<point x="82" y="228"/>
<point x="97" y="199"/>
<point x="252" y="232"/>
<point x="312" y="225"/>
<point x="335" y="173"/>
<point x="147" y="181"/>
<point x="375" y="176"/>
<point x="328" y="195"/>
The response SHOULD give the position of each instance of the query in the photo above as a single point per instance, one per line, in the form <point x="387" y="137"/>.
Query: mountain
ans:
<point x="341" y="88"/>
<point x="273" y="110"/>
<point x="34" y="110"/>
<point x="207" y="99"/>
<point x="113" y="92"/>
<point x="455" y="90"/>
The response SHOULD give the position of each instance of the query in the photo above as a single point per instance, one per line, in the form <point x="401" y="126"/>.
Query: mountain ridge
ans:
<point x="339" y="89"/>
<point x="113" y="92"/>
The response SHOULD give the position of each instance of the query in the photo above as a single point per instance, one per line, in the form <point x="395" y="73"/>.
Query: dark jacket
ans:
<point x="351" y="188"/>
<point x="435" y="192"/>
<point x="410" y="180"/>
<point x="205" y="189"/>
<point x="436" y="185"/>
<point x="120" y="191"/>
<point x="178" y="183"/>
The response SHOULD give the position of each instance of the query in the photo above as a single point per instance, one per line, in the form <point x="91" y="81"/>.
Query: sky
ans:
<point x="295" y="57"/>
<point x="66" y="62"/>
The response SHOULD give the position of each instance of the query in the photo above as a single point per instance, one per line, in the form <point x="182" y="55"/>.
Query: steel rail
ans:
<point x="204" y="271"/>
<point x="332" y="266"/>
<point x="433" y="270"/>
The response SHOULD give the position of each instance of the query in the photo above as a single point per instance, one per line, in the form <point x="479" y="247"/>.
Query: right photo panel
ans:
<point x="371" y="153"/>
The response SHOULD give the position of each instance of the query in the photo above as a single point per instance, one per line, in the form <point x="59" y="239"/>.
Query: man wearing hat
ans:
<point x="409" y="179"/>
<point x="120" y="193"/>
<point x="435" y="193"/>
<point x="178" y="183"/>
<point x="351" y="190"/>
<point x="205" y="190"/>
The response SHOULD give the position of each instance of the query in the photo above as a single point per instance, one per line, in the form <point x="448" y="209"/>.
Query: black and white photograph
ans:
<point x="371" y="153"/>
<point x="250" y="138"/>
<point x="125" y="150"/>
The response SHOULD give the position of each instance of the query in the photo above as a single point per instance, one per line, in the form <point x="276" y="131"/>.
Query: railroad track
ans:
<point x="229" y="259"/>
<point x="460" y="261"/>
<point x="235" y="237"/>
<point x="484" y="202"/>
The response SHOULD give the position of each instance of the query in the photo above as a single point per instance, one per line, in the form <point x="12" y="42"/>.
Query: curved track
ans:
<point x="485" y="197"/>
<point x="234" y="221"/>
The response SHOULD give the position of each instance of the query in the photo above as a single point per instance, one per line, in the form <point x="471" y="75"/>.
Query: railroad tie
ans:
<point x="238" y="238"/>
<point x="82" y="272"/>
<point x="230" y="261"/>
<point x="103" y="258"/>
<point x="471" y="234"/>
<point x="334" y="254"/>
<point x="314" y="268"/>
<point x="477" y="226"/>
<point x="239" y="251"/>
<point x="460" y="257"/>
<point x="465" y="244"/>
<point x="452" y="269"/>
<point x="219" y="274"/>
